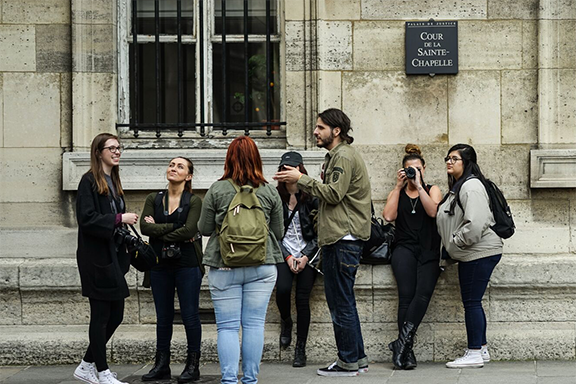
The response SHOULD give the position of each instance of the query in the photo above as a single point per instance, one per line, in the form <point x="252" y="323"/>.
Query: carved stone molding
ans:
<point x="553" y="168"/>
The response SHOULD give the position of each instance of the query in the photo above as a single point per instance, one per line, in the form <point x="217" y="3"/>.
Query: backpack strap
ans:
<point x="239" y="188"/>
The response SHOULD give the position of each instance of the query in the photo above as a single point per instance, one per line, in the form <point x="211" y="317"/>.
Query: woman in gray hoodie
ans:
<point x="464" y="219"/>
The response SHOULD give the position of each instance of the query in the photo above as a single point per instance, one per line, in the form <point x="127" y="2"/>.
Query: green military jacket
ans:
<point x="214" y="210"/>
<point x="345" y="196"/>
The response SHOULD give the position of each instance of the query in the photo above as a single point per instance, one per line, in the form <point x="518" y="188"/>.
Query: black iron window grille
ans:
<point x="182" y="81"/>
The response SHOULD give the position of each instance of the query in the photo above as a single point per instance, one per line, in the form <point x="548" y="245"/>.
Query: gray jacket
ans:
<point x="467" y="235"/>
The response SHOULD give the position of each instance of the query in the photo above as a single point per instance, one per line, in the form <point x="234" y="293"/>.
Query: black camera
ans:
<point x="171" y="251"/>
<point x="123" y="236"/>
<point x="410" y="173"/>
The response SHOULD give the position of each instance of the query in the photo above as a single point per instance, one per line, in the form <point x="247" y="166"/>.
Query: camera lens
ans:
<point x="410" y="172"/>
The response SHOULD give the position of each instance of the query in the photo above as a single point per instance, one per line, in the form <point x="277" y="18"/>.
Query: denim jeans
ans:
<point x="340" y="261"/>
<point x="187" y="282"/>
<point x="240" y="297"/>
<point x="474" y="277"/>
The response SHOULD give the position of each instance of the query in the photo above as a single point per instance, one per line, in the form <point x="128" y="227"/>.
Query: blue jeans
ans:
<point x="240" y="298"/>
<point x="340" y="261"/>
<point x="474" y="277"/>
<point x="164" y="283"/>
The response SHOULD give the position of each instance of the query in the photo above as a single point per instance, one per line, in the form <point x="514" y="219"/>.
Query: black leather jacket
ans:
<point x="306" y="223"/>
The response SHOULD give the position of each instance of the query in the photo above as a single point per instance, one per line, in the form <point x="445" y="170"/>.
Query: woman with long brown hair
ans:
<point x="299" y="245"/>
<point x="170" y="219"/>
<point x="102" y="261"/>
<point x="241" y="293"/>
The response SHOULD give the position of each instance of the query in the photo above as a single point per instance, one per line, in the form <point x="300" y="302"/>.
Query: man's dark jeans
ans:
<point x="340" y="261"/>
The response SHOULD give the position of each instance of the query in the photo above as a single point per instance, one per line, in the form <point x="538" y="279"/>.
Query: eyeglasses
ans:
<point x="452" y="159"/>
<point x="114" y="149"/>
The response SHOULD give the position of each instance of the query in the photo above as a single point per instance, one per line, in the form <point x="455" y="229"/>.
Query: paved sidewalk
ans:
<point x="525" y="372"/>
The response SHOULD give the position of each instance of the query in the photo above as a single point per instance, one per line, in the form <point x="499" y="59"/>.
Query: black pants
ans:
<point x="304" y="284"/>
<point x="105" y="317"/>
<point x="416" y="282"/>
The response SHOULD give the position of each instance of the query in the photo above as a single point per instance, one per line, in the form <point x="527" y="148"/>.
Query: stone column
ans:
<point x="557" y="73"/>
<point x="94" y="92"/>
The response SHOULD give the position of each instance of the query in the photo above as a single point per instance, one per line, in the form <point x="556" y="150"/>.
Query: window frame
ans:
<point x="125" y="39"/>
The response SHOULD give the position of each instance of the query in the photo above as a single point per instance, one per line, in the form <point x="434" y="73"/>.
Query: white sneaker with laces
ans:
<point x="107" y="377"/>
<point x="86" y="372"/>
<point x="472" y="359"/>
<point x="485" y="354"/>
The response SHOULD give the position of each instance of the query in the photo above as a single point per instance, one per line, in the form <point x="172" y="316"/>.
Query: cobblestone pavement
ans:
<point x="524" y="372"/>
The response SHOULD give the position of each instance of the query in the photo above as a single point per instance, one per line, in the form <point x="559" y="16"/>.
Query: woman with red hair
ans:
<point x="241" y="293"/>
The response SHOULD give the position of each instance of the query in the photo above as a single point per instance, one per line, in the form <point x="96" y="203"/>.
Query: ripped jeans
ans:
<point x="340" y="261"/>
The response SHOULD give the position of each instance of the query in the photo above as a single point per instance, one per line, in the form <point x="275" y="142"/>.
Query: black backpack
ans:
<point x="504" y="226"/>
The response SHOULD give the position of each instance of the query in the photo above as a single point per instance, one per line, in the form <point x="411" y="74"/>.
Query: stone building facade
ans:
<point x="62" y="79"/>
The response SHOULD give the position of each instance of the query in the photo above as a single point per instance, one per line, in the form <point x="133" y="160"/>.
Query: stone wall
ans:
<point x="514" y="96"/>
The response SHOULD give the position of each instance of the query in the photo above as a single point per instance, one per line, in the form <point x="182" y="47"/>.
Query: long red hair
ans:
<point x="243" y="163"/>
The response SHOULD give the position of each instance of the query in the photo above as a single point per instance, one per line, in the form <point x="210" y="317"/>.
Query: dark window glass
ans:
<point x="235" y="17"/>
<point x="257" y="83"/>
<point x="168" y="83"/>
<point x="168" y="22"/>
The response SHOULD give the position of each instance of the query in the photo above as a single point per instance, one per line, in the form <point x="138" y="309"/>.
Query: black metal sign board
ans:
<point x="431" y="47"/>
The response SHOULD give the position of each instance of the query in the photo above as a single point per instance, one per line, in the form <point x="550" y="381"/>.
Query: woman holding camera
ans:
<point x="412" y="204"/>
<point x="464" y="219"/>
<point x="102" y="263"/>
<point x="170" y="220"/>
<point x="299" y="244"/>
<point x="241" y="294"/>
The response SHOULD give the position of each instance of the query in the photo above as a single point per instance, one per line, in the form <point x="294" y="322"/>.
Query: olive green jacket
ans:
<point x="345" y="196"/>
<point x="214" y="209"/>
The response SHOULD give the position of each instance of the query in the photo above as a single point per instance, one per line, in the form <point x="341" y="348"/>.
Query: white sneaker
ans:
<point x="485" y="354"/>
<point x="472" y="359"/>
<point x="106" y="377"/>
<point x="86" y="372"/>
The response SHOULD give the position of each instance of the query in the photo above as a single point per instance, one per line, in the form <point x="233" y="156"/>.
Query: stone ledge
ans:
<point x="43" y="345"/>
<point x="145" y="169"/>
<point x="553" y="168"/>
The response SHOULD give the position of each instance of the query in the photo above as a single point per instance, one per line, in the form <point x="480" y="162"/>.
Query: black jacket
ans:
<point x="102" y="269"/>
<point x="306" y="223"/>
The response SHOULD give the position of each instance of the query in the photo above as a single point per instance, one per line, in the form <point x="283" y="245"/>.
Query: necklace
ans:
<point x="414" y="204"/>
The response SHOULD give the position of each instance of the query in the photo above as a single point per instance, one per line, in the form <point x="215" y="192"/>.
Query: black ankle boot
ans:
<point x="191" y="371"/>
<point x="285" y="332"/>
<point x="299" y="354"/>
<point x="402" y="345"/>
<point x="161" y="369"/>
<point x="410" y="360"/>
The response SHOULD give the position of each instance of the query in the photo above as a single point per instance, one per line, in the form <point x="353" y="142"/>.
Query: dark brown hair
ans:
<point x="413" y="152"/>
<point x="96" y="165"/>
<point x="334" y="117"/>
<point x="283" y="192"/>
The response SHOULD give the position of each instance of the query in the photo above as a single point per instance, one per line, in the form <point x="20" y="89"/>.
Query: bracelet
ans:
<point x="299" y="177"/>
<point x="287" y="257"/>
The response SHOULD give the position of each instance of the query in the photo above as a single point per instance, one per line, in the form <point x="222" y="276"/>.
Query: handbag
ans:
<point x="142" y="255"/>
<point x="378" y="249"/>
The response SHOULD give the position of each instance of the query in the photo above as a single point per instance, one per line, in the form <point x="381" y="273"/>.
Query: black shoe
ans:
<point x="161" y="369"/>
<point x="401" y="346"/>
<point x="411" y="360"/>
<point x="299" y="354"/>
<point x="191" y="371"/>
<point x="285" y="333"/>
<point x="333" y="370"/>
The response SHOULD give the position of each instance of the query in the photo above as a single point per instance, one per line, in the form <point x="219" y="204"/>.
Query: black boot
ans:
<point x="410" y="360"/>
<point x="191" y="371"/>
<point x="161" y="369"/>
<point x="402" y="345"/>
<point x="299" y="354"/>
<point x="285" y="333"/>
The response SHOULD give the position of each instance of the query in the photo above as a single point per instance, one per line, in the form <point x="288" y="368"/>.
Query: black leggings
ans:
<point x="304" y="284"/>
<point x="105" y="317"/>
<point x="416" y="282"/>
